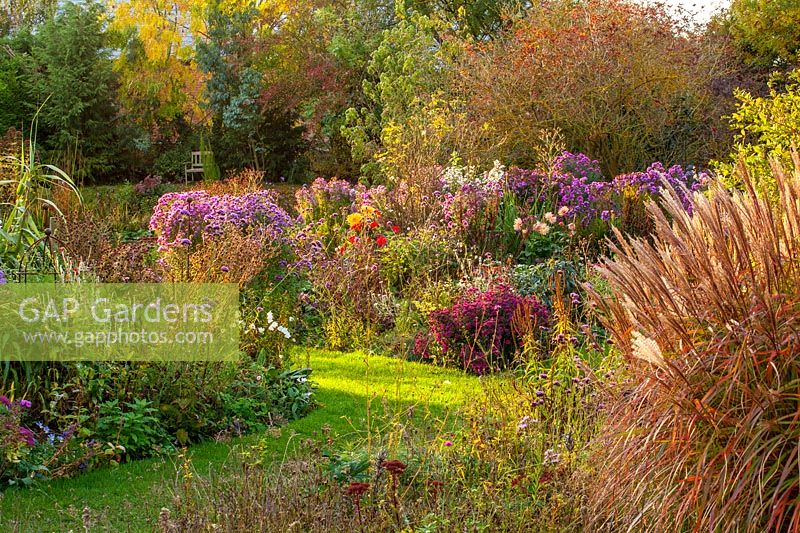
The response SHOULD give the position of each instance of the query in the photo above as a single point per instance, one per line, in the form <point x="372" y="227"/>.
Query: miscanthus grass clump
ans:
<point x="706" y="437"/>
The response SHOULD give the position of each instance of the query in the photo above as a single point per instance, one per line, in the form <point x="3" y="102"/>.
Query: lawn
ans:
<point x="128" y="498"/>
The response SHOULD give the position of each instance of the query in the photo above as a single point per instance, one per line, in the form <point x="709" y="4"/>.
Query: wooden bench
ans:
<point x="195" y="167"/>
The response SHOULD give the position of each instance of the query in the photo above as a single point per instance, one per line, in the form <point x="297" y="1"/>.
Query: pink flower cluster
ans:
<point x="575" y="186"/>
<point x="148" y="185"/>
<point x="324" y="198"/>
<point x="12" y="433"/>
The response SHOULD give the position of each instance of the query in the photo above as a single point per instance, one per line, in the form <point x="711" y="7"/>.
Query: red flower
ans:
<point x="381" y="241"/>
<point x="396" y="228"/>
<point x="352" y="239"/>
<point x="395" y="467"/>
<point x="356" y="489"/>
<point x="373" y="224"/>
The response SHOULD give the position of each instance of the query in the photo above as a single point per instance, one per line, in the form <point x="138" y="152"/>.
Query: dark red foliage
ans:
<point x="476" y="332"/>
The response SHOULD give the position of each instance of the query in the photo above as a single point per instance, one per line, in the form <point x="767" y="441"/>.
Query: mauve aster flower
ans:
<point x="27" y="436"/>
<point x="181" y="216"/>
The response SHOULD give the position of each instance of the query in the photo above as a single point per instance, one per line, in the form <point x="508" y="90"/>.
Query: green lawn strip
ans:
<point x="128" y="497"/>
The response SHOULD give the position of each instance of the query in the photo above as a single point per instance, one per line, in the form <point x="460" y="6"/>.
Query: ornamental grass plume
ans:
<point x="707" y="436"/>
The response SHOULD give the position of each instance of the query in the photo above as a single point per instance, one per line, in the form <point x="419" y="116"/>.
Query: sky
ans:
<point x="702" y="8"/>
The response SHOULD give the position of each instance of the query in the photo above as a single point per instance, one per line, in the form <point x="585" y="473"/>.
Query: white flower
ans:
<point x="550" y="218"/>
<point x="496" y="175"/>
<point x="551" y="457"/>
<point x="260" y="331"/>
<point x="270" y="318"/>
<point x="272" y="326"/>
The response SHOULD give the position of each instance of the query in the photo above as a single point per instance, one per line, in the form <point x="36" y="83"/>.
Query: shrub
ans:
<point x="345" y="288"/>
<point x="148" y="185"/>
<point x="766" y="127"/>
<point x="16" y="440"/>
<point x="259" y="397"/>
<point x="477" y="332"/>
<point x="88" y="240"/>
<point x="235" y="184"/>
<point x="85" y="415"/>
<point x="532" y="215"/>
<point x="172" y="162"/>
<point x="624" y="83"/>
<point x="409" y="257"/>
<point x="133" y="425"/>
<point x="219" y="238"/>
<point x="31" y="450"/>
<point x="706" y="435"/>
<point x="537" y="280"/>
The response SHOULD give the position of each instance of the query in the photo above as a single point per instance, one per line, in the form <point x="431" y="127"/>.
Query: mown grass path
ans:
<point x="128" y="498"/>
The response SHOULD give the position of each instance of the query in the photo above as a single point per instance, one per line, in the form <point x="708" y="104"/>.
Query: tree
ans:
<point x="160" y="83"/>
<point x="403" y="88"/>
<point x="17" y="15"/>
<point x="624" y="83"/>
<point x="766" y="31"/>
<point x="474" y="19"/>
<point x="16" y="101"/>
<point x="70" y="71"/>
<point x="251" y="126"/>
